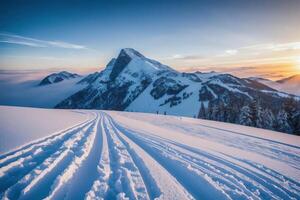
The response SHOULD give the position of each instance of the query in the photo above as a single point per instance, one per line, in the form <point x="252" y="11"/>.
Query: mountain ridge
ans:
<point x="289" y="84"/>
<point x="290" y="78"/>
<point x="58" y="77"/>
<point x="133" y="82"/>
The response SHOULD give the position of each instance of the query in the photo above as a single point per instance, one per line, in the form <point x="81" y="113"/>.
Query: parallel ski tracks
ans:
<point x="100" y="159"/>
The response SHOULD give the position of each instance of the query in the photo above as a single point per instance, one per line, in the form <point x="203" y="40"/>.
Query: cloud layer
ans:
<point x="32" y="42"/>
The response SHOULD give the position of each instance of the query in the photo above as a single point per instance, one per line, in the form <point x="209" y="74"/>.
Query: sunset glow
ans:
<point x="194" y="36"/>
<point x="298" y="63"/>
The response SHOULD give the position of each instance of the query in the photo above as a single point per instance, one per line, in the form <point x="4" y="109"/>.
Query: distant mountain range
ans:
<point x="289" y="85"/>
<point x="132" y="82"/>
<point x="291" y="79"/>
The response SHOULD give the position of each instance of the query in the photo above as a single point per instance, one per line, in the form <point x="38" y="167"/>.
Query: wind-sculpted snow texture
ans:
<point x="117" y="155"/>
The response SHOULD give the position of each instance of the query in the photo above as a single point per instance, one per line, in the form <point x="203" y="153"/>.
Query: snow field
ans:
<point x="115" y="155"/>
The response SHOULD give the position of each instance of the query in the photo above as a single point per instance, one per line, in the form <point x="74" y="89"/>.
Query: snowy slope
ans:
<point x="117" y="155"/>
<point x="20" y="125"/>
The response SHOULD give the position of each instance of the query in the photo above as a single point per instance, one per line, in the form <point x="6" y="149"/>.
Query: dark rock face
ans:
<point x="121" y="62"/>
<point x="217" y="89"/>
<point x="173" y="101"/>
<point x="45" y="81"/>
<point x="227" y="79"/>
<point x="205" y="94"/>
<point x="112" y="98"/>
<point x="191" y="76"/>
<point x="164" y="86"/>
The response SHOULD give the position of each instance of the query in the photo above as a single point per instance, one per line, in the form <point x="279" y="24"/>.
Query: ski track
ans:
<point x="272" y="149"/>
<point x="103" y="159"/>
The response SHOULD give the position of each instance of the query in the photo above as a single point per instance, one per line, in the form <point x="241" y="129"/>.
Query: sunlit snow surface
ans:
<point x="119" y="155"/>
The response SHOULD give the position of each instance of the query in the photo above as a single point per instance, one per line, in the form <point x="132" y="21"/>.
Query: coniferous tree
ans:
<point x="253" y="113"/>
<point x="226" y="113"/>
<point x="260" y="118"/>
<point x="221" y="113"/>
<point x="267" y="119"/>
<point x="256" y="113"/>
<point x="281" y="123"/>
<point x="245" y="117"/>
<point x="233" y="113"/>
<point x="291" y="107"/>
<point x="202" y="112"/>
<point x="296" y="129"/>
<point x="209" y="110"/>
<point x="215" y="112"/>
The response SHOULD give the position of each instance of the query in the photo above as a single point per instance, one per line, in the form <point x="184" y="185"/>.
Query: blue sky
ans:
<point x="187" y="35"/>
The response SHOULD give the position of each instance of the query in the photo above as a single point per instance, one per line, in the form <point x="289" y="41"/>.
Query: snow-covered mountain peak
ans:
<point x="133" y="62"/>
<point x="131" y="53"/>
<point x="58" y="77"/>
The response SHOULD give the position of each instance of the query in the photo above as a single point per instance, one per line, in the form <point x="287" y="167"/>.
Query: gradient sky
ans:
<point x="257" y="37"/>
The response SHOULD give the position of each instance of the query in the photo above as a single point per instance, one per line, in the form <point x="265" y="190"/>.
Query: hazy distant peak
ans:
<point x="291" y="79"/>
<point x="58" y="77"/>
